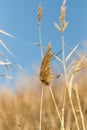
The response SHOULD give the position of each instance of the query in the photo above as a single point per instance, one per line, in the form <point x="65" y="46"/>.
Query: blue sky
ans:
<point x="19" y="18"/>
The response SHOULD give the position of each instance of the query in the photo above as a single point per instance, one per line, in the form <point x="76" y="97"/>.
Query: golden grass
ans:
<point x="63" y="24"/>
<point x="32" y="106"/>
<point x="19" y="110"/>
<point x="46" y="78"/>
<point x="45" y="70"/>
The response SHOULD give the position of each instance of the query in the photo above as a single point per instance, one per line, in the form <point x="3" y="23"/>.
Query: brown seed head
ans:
<point x="64" y="26"/>
<point x="45" y="70"/>
<point x="39" y="14"/>
<point x="63" y="14"/>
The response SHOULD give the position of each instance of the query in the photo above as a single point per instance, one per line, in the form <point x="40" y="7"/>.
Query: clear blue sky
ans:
<point x="19" y="18"/>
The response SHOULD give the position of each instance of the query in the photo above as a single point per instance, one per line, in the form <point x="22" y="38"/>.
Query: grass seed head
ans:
<point x="45" y="70"/>
<point x="63" y="14"/>
<point x="39" y="14"/>
<point x="63" y="24"/>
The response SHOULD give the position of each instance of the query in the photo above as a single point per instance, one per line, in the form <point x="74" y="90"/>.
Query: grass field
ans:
<point x="19" y="110"/>
<point x="45" y="102"/>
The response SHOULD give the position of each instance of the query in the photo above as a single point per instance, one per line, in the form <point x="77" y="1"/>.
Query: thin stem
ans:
<point x="62" y="121"/>
<point x="63" y="108"/>
<point x="80" y="110"/>
<point x="64" y="97"/>
<point x="55" y="103"/>
<point x="64" y="62"/>
<point x="67" y="88"/>
<point x="74" y="112"/>
<point x="40" y="42"/>
<point x="41" y="105"/>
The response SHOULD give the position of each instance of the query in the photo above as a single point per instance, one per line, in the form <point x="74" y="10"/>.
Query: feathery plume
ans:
<point x="45" y="70"/>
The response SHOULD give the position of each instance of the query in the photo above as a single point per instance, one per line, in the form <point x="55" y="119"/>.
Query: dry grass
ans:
<point x="45" y="71"/>
<point x="5" y="62"/>
<point x="39" y="14"/>
<point x="19" y="110"/>
<point x="63" y="24"/>
<point x="32" y="105"/>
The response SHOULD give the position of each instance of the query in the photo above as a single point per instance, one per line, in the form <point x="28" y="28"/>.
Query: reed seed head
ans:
<point x="63" y="24"/>
<point x="63" y="14"/>
<point x="39" y="14"/>
<point x="45" y="70"/>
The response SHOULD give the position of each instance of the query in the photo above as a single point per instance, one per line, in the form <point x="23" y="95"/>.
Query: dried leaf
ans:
<point x="5" y="63"/>
<point x="3" y="44"/>
<point x="5" y="33"/>
<point x="57" y="27"/>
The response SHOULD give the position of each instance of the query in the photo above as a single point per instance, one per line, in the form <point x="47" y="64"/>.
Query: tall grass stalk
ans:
<point x="42" y="90"/>
<point x="41" y="105"/>
<point x="40" y="38"/>
<point x="41" y="102"/>
<point x="67" y="87"/>
<point x="64" y="96"/>
<point x="79" y="105"/>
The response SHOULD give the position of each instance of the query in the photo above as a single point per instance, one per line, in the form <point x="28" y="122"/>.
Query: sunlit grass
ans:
<point x="39" y="102"/>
